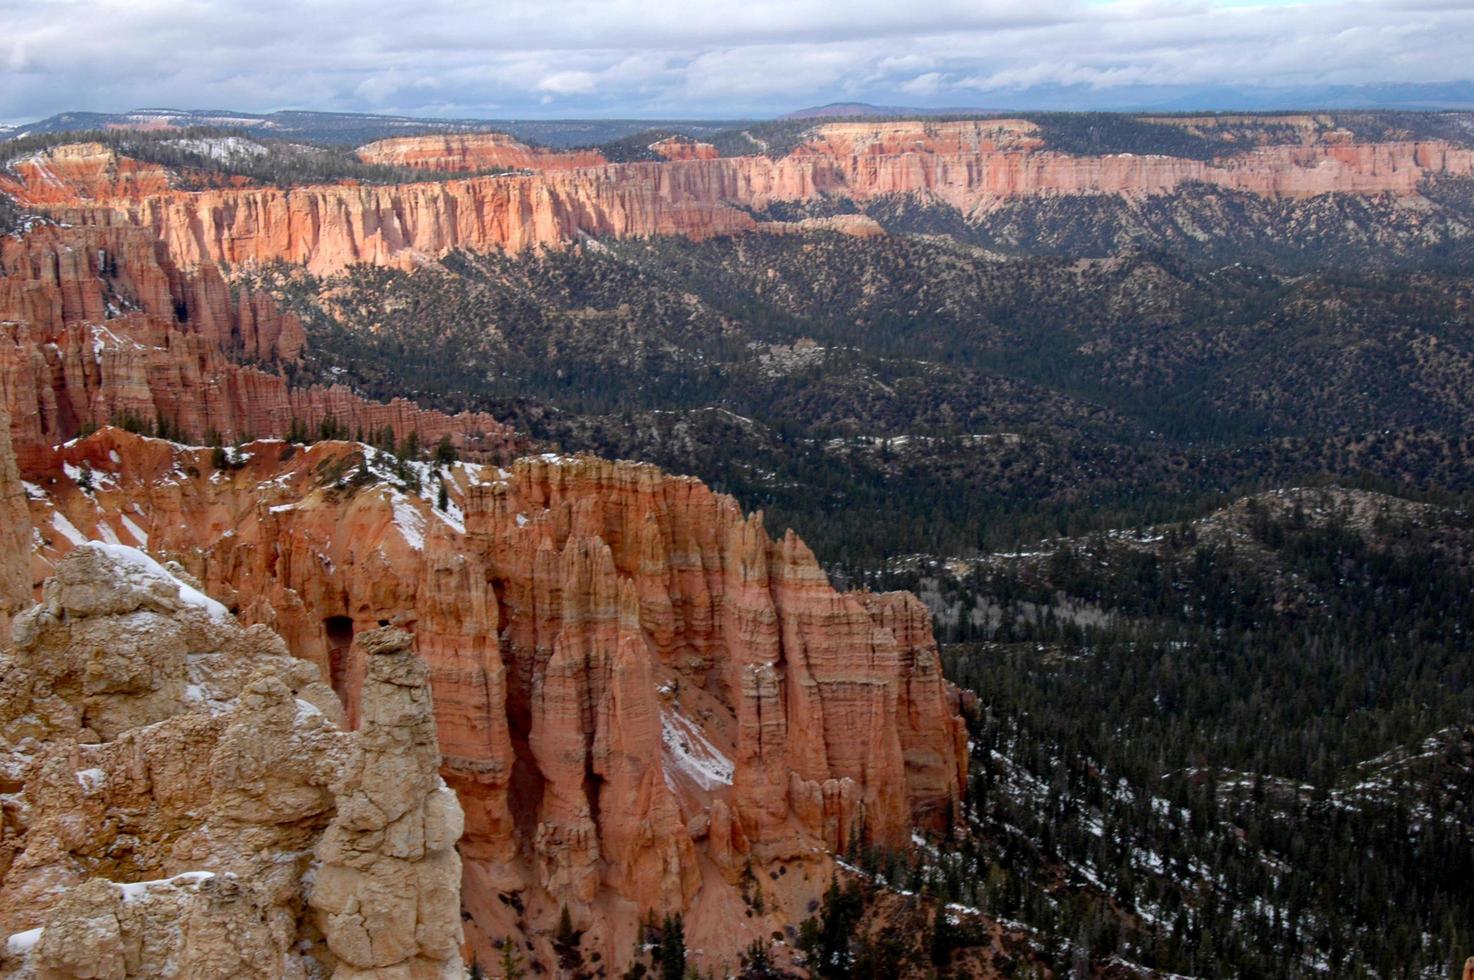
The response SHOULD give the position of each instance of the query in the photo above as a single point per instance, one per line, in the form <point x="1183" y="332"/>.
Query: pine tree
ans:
<point x="672" y="952"/>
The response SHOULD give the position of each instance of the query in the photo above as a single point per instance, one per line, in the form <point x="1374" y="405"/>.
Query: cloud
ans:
<point x="699" y="57"/>
<point x="926" y="84"/>
<point x="567" y="83"/>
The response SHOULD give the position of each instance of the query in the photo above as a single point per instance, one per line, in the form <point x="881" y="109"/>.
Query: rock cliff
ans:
<point x="680" y="148"/>
<point x="15" y="536"/>
<point x="179" y="792"/>
<point x="468" y="153"/>
<point x="646" y="704"/>
<point x="98" y="324"/>
<point x="972" y="165"/>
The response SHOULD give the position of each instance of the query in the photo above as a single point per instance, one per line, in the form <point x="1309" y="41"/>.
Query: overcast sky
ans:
<point x="716" y="58"/>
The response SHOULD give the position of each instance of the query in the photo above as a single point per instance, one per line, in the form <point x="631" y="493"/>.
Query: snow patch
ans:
<point x="691" y="753"/>
<point x="138" y="533"/>
<point x="410" y="521"/>
<point x="140" y="566"/>
<point x="91" y="779"/>
<point x="66" y="528"/>
<point x="135" y="890"/>
<point x="22" y="943"/>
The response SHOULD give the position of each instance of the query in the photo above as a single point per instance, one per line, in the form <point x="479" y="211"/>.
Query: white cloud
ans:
<point x="567" y="83"/>
<point x="927" y="84"/>
<point x="699" y="57"/>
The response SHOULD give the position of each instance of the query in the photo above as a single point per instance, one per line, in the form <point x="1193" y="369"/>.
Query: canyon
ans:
<point x="973" y="166"/>
<point x="646" y="704"/>
<point x="536" y="701"/>
<point x="99" y="325"/>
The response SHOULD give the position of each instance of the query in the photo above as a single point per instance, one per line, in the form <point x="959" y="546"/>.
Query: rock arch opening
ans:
<point x="339" y="633"/>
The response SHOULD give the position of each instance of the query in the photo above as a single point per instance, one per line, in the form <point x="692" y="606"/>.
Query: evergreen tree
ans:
<point x="671" y="955"/>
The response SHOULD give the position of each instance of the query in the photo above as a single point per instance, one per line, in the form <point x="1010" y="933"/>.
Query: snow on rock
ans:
<point x="140" y="566"/>
<point x="91" y="779"/>
<point x="138" y="533"/>
<point x="135" y="890"/>
<point x="67" y="529"/>
<point x="410" y="521"/>
<point x="690" y="753"/>
<point x="22" y="942"/>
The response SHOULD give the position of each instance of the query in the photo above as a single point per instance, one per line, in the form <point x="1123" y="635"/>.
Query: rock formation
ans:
<point x="641" y="697"/>
<point x="178" y="791"/>
<point x="468" y="153"/>
<point x="973" y="165"/>
<point x="680" y="148"/>
<point x="98" y="324"/>
<point x="395" y="831"/>
<point x="65" y="174"/>
<point x="15" y="536"/>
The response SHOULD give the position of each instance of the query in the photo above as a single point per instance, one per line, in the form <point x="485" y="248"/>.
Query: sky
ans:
<point x="709" y="59"/>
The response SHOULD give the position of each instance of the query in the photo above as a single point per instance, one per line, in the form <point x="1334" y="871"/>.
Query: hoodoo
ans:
<point x="642" y="698"/>
<point x="972" y="165"/>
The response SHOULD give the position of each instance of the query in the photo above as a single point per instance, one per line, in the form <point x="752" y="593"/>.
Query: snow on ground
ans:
<point x="222" y="148"/>
<point x="101" y="480"/>
<point x="690" y="752"/>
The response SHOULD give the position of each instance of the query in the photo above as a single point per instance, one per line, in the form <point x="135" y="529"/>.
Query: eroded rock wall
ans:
<point x="470" y="152"/>
<point x="15" y="536"/>
<point x="973" y="165"/>
<point x="98" y="324"/>
<point x="645" y="702"/>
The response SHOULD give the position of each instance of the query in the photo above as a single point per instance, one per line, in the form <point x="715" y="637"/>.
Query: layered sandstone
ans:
<point x="472" y="152"/>
<point x="681" y="148"/>
<point x="642" y="698"/>
<point x="180" y="792"/>
<point x="329" y="227"/>
<point x="90" y="171"/>
<point x="99" y="325"/>
<point x="972" y="165"/>
<point x="15" y="536"/>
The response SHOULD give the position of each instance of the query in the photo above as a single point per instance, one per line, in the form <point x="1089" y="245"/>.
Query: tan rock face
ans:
<point x="639" y="694"/>
<point x="179" y="783"/>
<point x="470" y="152"/>
<point x="396" y="829"/>
<point x="973" y="165"/>
<point x="98" y="324"/>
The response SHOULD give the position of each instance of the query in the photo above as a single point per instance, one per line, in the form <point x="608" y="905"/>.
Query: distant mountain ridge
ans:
<point x="1432" y="96"/>
<point x="840" y="110"/>
<point x="353" y="129"/>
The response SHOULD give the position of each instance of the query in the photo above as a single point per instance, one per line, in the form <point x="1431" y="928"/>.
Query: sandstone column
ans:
<point x="387" y="892"/>
<point x="15" y="536"/>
